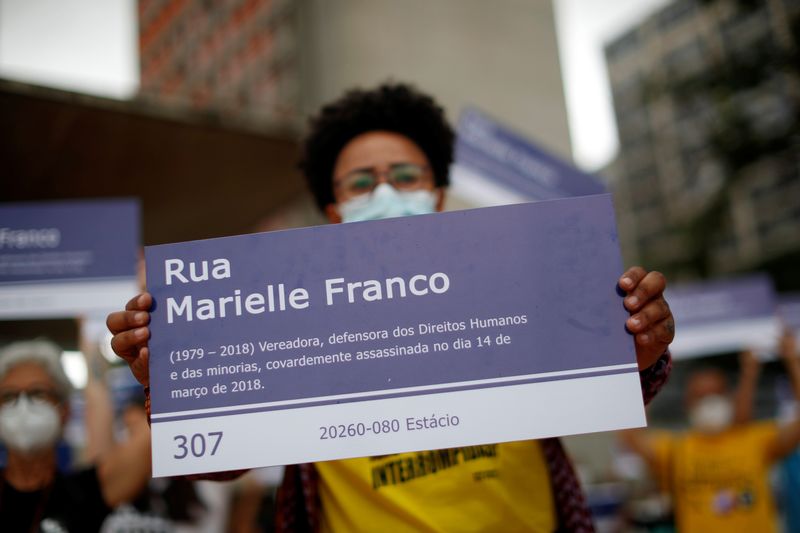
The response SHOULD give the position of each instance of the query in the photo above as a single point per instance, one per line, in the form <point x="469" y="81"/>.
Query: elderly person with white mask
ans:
<point x="34" y="495"/>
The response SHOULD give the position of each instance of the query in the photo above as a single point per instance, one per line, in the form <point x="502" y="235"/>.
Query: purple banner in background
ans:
<point x="47" y="241"/>
<point x="368" y="308"/>
<point x="67" y="258"/>
<point x="506" y="158"/>
<point x="723" y="300"/>
<point x="723" y="315"/>
<point x="789" y="310"/>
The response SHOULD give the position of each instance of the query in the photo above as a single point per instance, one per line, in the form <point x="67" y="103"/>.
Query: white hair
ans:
<point x="42" y="352"/>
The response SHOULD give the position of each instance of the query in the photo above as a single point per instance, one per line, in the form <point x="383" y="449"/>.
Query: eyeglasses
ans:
<point x="10" y="397"/>
<point x="401" y="176"/>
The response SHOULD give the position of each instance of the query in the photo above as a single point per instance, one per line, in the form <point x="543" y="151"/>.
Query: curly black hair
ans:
<point x="395" y="107"/>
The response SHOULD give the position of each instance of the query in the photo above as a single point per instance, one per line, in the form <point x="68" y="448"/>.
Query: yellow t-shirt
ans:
<point x="719" y="482"/>
<point x="496" y="487"/>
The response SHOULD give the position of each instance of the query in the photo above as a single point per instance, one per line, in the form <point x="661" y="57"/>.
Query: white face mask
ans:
<point x="29" y="425"/>
<point x="386" y="202"/>
<point x="712" y="414"/>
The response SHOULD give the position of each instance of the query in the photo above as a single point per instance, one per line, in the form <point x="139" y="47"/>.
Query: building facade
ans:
<point x="235" y="60"/>
<point x="269" y="64"/>
<point x="707" y="100"/>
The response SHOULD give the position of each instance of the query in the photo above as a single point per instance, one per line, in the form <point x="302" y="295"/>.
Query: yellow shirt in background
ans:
<point x="497" y="487"/>
<point x="719" y="482"/>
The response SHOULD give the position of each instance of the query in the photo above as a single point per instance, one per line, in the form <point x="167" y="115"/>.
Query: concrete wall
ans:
<point x="501" y="56"/>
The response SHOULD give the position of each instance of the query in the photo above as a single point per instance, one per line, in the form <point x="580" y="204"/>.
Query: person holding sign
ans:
<point x="718" y="471"/>
<point x="386" y="153"/>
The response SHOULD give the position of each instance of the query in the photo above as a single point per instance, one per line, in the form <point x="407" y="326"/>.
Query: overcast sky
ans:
<point x="89" y="46"/>
<point x="584" y="26"/>
<point x="97" y="53"/>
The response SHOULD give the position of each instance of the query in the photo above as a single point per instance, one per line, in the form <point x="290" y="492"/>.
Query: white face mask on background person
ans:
<point x="712" y="414"/>
<point x="387" y="202"/>
<point x="28" y="425"/>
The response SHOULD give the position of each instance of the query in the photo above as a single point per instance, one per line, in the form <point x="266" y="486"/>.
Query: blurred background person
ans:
<point x="34" y="494"/>
<point x="717" y="472"/>
<point x="354" y="141"/>
<point x="169" y="505"/>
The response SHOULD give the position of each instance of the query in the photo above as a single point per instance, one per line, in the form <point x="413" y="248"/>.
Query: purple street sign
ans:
<point x="62" y="258"/>
<point x="723" y="315"/>
<point x="498" y="154"/>
<point x="396" y="310"/>
<point x="47" y="241"/>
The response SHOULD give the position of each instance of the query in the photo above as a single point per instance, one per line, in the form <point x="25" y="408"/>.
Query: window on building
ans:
<point x="688" y="59"/>
<point x="633" y="126"/>
<point x="676" y="14"/>
<point x="623" y="45"/>
<point x="744" y="28"/>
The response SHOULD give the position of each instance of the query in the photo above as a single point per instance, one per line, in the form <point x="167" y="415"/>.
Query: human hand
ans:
<point x="131" y="333"/>
<point x="787" y="346"/>
<point x="651" y="321"/>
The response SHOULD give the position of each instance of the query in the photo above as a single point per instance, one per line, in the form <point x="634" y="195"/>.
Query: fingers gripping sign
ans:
<point x="131" y="334"/>
<point x="651" y="322"/>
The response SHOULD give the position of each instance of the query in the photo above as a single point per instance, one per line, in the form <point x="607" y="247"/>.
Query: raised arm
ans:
<point x="791" y="355"/>
<point x="124" y="469"/>
<point x="749" y="371"/>
<point x="639" y="442"/>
